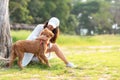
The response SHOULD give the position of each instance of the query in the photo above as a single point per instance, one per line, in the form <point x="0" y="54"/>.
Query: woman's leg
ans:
<point x="58" y="52"/>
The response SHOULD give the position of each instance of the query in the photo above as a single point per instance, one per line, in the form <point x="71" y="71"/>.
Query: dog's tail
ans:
<point x="13" y="51"/>
<point x="12" y="56"/>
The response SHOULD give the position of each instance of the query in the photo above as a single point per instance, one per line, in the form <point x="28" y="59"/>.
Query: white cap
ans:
<point x="54" y="22"/>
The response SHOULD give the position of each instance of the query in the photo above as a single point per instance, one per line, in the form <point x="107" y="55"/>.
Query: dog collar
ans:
<point x="41" y="41"/>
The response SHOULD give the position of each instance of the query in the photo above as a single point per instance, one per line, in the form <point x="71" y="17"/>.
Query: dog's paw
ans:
<point x="49" y="65"/>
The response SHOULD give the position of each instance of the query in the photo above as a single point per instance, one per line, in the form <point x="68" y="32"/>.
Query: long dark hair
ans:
<point x="55" y="31"/>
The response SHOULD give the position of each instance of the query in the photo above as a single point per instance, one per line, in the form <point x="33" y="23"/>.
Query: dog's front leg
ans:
<point x="40" y="59"/>
<point x="42" y="54"/>
<point x="45" y="59"/>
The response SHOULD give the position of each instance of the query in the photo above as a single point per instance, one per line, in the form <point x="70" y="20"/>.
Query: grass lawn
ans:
<point x="97" y="58"/>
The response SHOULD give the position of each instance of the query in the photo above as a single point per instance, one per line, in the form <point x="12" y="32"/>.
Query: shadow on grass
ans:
<point x="38" y="65"/>
<point x="55" y="65"/>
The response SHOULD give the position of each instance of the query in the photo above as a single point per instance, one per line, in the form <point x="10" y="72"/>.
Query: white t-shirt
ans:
<point x="35" y="33"/>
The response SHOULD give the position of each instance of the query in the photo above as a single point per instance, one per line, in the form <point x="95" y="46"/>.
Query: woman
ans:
<point x="53" y="25"/>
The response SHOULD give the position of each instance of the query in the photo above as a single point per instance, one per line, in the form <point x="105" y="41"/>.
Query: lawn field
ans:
<point x="96" y="57"/>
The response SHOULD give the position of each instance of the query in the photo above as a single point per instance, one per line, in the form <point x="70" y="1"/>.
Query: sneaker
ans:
<point x="71" y="65"/>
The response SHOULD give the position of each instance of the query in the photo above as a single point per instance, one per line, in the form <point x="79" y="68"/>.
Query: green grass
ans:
<point x="92" y="54"/>
<point x="90" y="67"/>
<point x="19" y="35"/>
<point x="89" y="40"/>
<point x="69" y="40"/>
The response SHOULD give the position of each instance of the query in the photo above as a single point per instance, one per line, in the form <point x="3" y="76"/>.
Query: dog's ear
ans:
<point x="51" y="34"/>
<point x="44" y="31"/>
<point x="47" y="32"/>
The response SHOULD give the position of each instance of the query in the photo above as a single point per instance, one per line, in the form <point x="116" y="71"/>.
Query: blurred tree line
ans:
<point x="97" y="16"/>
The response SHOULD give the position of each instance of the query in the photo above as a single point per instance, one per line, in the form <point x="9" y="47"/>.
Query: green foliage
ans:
<point x="72" y="24"/>
<point x="74" y="15"/>
<point x="103" y="22"/>
<point x="19" y="12"/>
<point x="39" y="11"/>
<point x="84" y="11"/>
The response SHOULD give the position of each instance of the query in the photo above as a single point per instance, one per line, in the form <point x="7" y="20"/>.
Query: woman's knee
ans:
<point x="54" y="47"/>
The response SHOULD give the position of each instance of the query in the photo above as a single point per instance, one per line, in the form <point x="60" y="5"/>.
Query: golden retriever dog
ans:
<point x="38" y="47"/>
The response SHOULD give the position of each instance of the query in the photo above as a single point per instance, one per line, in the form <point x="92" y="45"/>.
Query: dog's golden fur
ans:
<point x="36" y="47"/>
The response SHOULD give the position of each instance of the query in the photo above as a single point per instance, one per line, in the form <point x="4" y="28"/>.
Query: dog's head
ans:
<point x="46" y="32"/>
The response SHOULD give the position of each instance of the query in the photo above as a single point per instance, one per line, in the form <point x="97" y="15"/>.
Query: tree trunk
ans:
<point x="5" y="38"/>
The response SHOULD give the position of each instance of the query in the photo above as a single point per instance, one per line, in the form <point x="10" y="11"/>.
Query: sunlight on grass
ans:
<point x="70" y="40"/>
<point x="19" y="35"/>
<point x="90" y="66"/>
<point x="88" y="40"/>
<point x="97" y="58"/>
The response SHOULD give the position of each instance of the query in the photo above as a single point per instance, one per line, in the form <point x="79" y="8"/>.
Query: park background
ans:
<point x="81" y="17"/>
<point x="89" y="37"/>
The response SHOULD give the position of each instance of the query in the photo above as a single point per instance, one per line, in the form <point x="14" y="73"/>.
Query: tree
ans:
<point x="39" y="11"/>
<point x="34" y="6"/>
<point x="19" y="12"/>
<point x="72" y="24"/>
<point x="63" y="11"/>
<point x="103" y="19"/>
<point x="115" y="10"/>
<point x="83" y="11"/>
<point x="5" y="38"/>
<point x="42" y="10"/>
